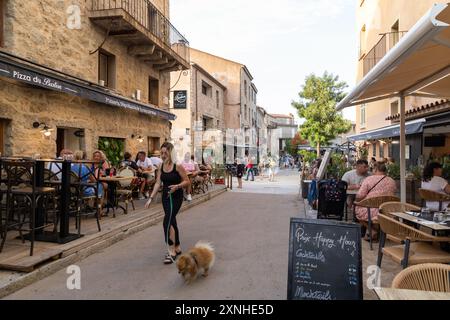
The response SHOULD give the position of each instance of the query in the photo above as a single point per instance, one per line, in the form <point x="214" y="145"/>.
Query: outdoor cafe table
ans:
<point x="402" y="294"/>
<point x="437" y="229"/>
<point x="113" y="182"/>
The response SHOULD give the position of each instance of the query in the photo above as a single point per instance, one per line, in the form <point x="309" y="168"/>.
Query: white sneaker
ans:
<point x="189" y="198"/>
<point x="147" y="195"/>
<point x="141" y="197"/>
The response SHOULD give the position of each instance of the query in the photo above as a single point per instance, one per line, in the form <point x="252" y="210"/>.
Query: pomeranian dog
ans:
<point x="197" y="261"/>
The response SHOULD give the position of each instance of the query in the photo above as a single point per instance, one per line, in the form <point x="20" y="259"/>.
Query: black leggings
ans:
<point x="177" y="201"/>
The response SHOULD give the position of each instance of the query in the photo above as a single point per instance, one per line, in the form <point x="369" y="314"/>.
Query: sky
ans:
<point x="280" y="41"/>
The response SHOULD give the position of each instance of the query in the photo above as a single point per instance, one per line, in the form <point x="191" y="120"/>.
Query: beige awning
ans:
<point x="418" y="65"/>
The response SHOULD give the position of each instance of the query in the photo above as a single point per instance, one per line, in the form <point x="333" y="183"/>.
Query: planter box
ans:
<point x="219" y="181"/>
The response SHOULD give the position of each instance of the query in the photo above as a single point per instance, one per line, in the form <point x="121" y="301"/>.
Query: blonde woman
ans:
<point x="100" y="167"/>
<point x="173" y="178"/>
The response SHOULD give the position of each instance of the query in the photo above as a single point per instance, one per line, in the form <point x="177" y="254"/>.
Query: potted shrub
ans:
<point x="218" y="172"/>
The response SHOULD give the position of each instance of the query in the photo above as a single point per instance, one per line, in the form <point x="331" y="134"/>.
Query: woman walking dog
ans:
<point x="173" y="178"/>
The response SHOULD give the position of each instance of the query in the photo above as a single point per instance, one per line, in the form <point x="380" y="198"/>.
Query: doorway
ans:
<point x="153" y="91"/>
<point x="69" y="138"/>
<point x="154" y="144"/>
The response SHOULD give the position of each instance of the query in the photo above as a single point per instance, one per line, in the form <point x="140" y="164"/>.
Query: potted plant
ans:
<point x="218" y="172"/>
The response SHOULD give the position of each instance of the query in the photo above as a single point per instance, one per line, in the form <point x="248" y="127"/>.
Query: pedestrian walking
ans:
<point x="240" y="168"/>
<point x="174" y="179"/>
<point x="272" y="168"/>
<point x="249" y="167"/>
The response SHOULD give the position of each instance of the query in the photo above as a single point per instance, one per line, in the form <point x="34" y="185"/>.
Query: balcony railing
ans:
<point x="386" y="43"/>
<point x="151" y="19"/>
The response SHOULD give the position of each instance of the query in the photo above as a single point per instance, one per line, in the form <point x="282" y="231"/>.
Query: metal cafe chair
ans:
<point x="23" y="197"/>
<point x="80" y="201"/>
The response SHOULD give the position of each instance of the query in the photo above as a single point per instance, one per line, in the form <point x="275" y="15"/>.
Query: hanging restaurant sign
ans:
<point x="180" y="99"/>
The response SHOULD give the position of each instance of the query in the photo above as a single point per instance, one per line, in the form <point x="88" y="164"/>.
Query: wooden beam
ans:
<point x="156" y="56"/>
<point x="168" y="65"/>
<point x="160" y="62"/>
<point x="141" y="50"/>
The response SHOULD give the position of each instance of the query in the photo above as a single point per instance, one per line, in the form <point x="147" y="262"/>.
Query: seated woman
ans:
<point x="432" y="180"/>
<point x="379" y="184"/>
<point x="100" y="167"/>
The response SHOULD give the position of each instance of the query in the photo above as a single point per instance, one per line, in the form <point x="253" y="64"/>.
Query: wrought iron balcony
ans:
<point x="386" y="43"/>
<point x="148" y="34"/>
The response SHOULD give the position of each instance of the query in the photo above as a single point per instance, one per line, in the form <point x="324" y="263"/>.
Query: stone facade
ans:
<point x="200" y="106"/>
<point x="38" y="31"/>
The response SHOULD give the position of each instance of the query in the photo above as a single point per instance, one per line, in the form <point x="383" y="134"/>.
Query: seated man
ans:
<point x="147" y="171"/>
<point x="192" y="170"/>
<point x="355" y="178"/>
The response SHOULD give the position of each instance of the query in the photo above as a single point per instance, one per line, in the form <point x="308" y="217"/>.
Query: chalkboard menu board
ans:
<point x="324" y="260"/>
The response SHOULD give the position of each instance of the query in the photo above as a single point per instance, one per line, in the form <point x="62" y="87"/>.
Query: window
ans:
<point x="206" y="89"/>
<point x="153" y="91"/>
<point x="188" y="131"/>
<point x="374" y="150"/>
<point x="153" y="144"/>
<point x="245" y="88"/>
<point x="363" y="116"/>
<point x="382" y="151"/>
<point x="2" y="133"/>
<point x="395" y="34"/>
<point x="245" y="110"/>
<point x="362" y="39"/>
<point x="217" y="99"/>
<point x="218" y="123"/>
<point x="107" y="69"/>
<point x="2" y="14"/>
<point x="394" y="108"/>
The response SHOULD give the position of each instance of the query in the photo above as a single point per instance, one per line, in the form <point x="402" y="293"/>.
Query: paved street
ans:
<point x="248" y="227"/>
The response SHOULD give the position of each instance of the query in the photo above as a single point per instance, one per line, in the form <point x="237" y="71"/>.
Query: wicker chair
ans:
<point x="389" y="207"/>
<point x="416" y="248"/>
<point x="125" y="191"/>
<point x="426" y="277"/>
<point x="429" y="195"/>
<point x="374" y="203"/>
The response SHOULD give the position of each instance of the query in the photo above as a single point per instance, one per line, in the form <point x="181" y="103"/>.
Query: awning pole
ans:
<point x="402" y="148"/>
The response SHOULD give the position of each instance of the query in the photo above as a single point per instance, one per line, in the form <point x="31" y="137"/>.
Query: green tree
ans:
<point x="317" y="105"/>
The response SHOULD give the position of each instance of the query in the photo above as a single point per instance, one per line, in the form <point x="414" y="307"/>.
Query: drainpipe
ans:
<point x="402" y="148"/>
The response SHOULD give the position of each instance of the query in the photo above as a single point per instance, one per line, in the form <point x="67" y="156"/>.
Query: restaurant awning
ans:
<point x="26" y="71"/>
<point x="418" y="65"/>
<point x="389" y="132"/>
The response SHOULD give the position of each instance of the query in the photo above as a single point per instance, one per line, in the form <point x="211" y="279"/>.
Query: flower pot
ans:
<point x="219" y="181"/>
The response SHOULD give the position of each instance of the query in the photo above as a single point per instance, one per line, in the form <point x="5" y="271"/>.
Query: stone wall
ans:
<point x="23" y="105"/>
<point x="37" y="30"/>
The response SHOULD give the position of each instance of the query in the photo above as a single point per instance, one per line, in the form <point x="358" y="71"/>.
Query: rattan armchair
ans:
<point x="429" y="195"/>
<point x="427" y="277"/>
<point x="374" y="203"/>
<point x="416" y="248"/>
<point x="389" y="207"/>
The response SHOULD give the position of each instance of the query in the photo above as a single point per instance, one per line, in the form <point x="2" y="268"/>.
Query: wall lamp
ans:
<point x="139" y="138"/>
<point x="46" y="130"/>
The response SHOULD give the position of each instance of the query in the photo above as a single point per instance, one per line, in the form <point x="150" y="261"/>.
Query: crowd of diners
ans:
<point x="371" y="180"/>
<point x="144" y="167"/>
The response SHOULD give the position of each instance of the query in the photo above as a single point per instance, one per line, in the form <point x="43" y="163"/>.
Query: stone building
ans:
<point x="84" y="72"/>
<point x="240" y="99"/>
<point x="197" y="100"/>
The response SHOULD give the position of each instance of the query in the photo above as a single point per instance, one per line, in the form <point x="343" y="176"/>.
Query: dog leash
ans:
<point x="168" y="227"/>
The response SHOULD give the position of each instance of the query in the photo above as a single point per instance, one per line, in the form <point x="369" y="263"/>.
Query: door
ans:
<point x="2" y="138"/>
<point x="60" y="135"/>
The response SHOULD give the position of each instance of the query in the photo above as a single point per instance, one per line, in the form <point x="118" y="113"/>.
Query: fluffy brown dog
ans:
<point x="197" y="261"/>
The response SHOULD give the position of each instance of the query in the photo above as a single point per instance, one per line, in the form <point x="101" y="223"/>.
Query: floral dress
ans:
<point x="385" y="187"/>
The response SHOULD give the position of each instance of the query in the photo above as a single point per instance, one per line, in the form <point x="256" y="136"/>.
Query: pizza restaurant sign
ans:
<point x="38" y="79"/>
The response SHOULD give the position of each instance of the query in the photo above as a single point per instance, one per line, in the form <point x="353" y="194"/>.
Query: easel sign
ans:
<point x="324" y="165"/>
